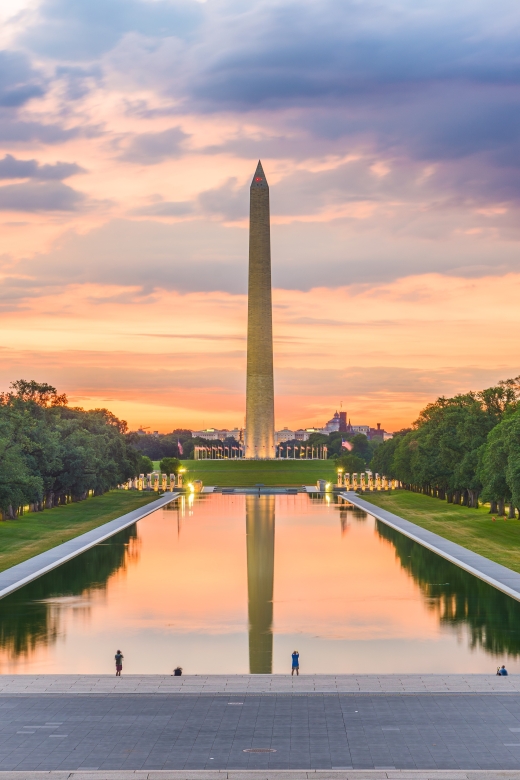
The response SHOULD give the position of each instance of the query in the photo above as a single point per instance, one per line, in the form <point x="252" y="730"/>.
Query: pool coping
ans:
<point x="264" y="774"/>
<point x="251" y="685"/>
<point x="500" y="577"/>
<point x="17" y="576"/>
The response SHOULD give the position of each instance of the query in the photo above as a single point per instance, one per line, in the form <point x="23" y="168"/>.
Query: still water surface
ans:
<point x="233" y="584"/>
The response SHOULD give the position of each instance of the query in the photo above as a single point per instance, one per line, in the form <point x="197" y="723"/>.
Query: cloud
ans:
<point x="193" y="255"/>
<point x="153" y="148"/>
<point x="19" y="81"/>
<point x="164" y="208"/>
<point x="79" y="81"/>
<point x="202" y="254"/>
<point x="11" y="168"/>
<point x="39" y="196"/>
<point x="428" y="81"/>
<point x="284" y="53"/>
<point x="22" y="132"/>
<point x="77" y="30"/>
<point x="229" y="201"/>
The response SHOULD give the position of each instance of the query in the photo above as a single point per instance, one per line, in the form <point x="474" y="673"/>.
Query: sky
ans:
<point x="389" y="132"/>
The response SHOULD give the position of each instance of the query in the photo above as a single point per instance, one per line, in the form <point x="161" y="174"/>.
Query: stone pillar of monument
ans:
<point x="260" y="581"/>
<point x="260" y="384"/>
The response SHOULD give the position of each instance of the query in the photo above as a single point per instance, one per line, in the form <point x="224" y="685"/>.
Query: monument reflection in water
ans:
<point x="198" y="584"/>
<point x="260" y="581"/>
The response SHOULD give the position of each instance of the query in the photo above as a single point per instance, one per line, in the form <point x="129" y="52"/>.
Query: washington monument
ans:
<point x="260" y="386"/>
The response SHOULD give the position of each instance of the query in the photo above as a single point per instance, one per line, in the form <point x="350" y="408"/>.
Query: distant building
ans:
<point x="287" y="434"/>
<point x="284" y="435"/>
<point x="379" y="433"/>
<point x="216" y="434"/>
<point x="333" y="424"/>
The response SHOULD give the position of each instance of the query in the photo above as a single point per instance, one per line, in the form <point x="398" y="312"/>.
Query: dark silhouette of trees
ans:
<point x="51" y="453"/>
<point x="460" y="448"/>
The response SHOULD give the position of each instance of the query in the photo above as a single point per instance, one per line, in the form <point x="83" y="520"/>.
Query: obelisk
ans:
<point x="260" y="385"/>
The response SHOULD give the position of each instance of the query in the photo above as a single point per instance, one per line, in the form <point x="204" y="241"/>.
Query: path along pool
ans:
<point x="231" y="584"/>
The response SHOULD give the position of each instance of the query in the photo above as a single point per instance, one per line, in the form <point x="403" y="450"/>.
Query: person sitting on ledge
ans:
<point x="502" y="671"/>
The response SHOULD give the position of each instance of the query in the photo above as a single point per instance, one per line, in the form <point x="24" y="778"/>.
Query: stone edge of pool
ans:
<point x="243" y="685"/>
<point x="265" y="774"/>
<point x="17" y="576"/>
<point x="500" y="577"/>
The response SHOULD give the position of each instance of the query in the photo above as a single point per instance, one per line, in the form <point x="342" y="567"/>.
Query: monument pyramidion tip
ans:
<point x="259" y="179"/>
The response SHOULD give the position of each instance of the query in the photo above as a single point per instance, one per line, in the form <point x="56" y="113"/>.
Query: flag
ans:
<point x="347" y="445"/>
<point x="179" y="447"/>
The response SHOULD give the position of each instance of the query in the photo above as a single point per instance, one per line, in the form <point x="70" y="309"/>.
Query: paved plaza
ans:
<point x="303" y="732"/>
<point x="191" y="684"/>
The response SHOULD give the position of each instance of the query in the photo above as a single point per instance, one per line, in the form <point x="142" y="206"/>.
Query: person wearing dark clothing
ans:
<point x="295" y="663"/>
<point x="119" y="663"/>
<point x="502" y="671"/>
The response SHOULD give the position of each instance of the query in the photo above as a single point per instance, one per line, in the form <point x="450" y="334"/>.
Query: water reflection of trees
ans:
<point x="29" y="617"/>
<point x="348" y="512"/>
<point x="459" y="598"/>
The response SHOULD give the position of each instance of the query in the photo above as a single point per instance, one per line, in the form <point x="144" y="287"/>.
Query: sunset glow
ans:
<point x="129" y="134"/>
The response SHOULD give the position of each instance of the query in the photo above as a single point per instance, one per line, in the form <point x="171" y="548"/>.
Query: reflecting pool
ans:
<point x="234" y="583"/>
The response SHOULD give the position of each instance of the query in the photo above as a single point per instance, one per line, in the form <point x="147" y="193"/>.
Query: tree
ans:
<point x="383" y="458"/>
<point x="350" y="463"/>
<point x="51" y="453"/>
<point x="361" y="447"/>
<point x="446" y="455"/>
<point x="170" y="465"/>
<point x="145" y="465"/>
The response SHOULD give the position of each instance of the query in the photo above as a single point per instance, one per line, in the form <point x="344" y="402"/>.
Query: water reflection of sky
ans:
<point x="231" y="584"/>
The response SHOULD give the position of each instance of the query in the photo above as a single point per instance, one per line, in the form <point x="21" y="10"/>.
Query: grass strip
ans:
<point x="245" y="473"/>
<point x="472" y="528"/>
<point x="37" y="532"/>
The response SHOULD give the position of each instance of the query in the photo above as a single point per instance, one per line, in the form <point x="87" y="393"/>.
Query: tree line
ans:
<point x="51" y="453"/>
<point x="461" y="449"/>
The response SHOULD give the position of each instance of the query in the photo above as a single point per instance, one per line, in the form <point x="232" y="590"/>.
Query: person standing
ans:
<point x="119" y="663"/>
<point x="295" y="663"/>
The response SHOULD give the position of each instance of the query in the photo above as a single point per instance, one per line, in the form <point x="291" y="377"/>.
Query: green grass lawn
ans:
<point x="471" y="528"/>
<point x="36" y="532"/>
<point x="243" y="473"/>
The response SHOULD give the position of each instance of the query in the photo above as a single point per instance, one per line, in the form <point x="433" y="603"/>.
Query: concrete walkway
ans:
<point x="498" y="576"/>
<point x="255" y="774"/>
<point x="257" y="684"/>
<point x="260" y="734"/>
<point x="18" y="576"/>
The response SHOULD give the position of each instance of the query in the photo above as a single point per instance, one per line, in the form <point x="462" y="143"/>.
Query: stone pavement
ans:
<point x="339" y="732"/>
<point x="500" y="577"/>
<point x="315" y="774"/>
<point x="258" y="683"/>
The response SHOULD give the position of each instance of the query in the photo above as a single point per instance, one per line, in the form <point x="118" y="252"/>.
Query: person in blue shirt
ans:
<point x="295" y="663"/>
<point x="502" y="671"/>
